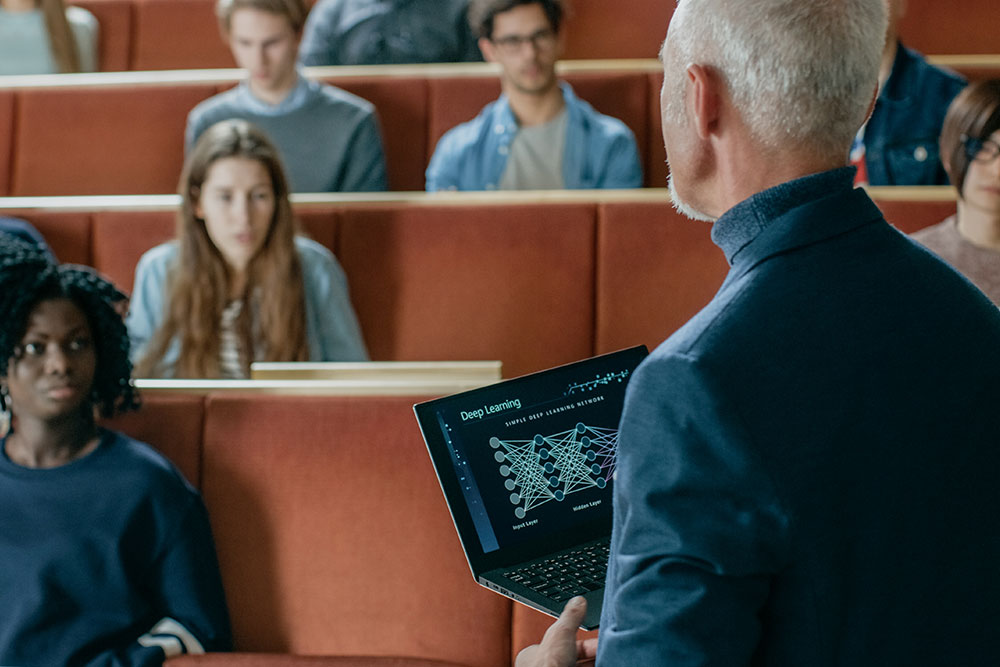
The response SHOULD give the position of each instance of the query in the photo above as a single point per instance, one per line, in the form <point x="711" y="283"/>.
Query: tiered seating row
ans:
<point x="143" y="34"/>
<point x="123" y="133"/>
<point x="531" y="279"/>
<point x="332" y="533"/>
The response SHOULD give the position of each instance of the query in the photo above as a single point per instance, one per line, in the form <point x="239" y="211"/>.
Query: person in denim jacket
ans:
<point x="538" y="135"/>
<point x="901" y="138"/>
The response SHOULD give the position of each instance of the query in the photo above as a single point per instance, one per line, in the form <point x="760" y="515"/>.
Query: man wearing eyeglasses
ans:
<point x="538" y="135"/>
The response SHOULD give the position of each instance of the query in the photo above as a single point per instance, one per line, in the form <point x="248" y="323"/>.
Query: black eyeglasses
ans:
<point x="542" y="40"/>
<point x="980" y="150"/>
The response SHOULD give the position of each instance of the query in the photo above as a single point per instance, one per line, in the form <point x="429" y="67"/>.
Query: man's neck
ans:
<point x="978" y="227"/>
<point x="535" y="108"/>
<point x="277" y="95"/>
<point x="750" y="169"/>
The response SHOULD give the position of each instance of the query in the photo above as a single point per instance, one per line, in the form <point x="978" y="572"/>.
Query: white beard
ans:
<point x="683" y="207"/>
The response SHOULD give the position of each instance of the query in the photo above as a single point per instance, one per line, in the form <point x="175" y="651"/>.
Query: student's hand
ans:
<point x="559" y="647"/>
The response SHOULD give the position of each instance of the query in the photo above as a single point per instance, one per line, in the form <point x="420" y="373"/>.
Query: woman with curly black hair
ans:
<point x="106" y="549"/>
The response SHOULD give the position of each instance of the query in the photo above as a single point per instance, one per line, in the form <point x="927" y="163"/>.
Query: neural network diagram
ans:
<point x="551" y="467"/>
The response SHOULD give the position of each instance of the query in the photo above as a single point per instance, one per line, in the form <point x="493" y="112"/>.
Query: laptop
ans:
<point x="527" y="467"/>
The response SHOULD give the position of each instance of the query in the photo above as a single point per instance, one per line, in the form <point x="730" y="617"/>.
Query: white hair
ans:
<point x="800" y="71"/>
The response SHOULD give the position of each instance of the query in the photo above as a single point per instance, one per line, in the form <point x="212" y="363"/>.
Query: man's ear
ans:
<point x="486" y="46"/>
<point x="703" y="95"/>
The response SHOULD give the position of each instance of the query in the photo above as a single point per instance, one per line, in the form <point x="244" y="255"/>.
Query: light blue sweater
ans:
<point x="332" y="330"/>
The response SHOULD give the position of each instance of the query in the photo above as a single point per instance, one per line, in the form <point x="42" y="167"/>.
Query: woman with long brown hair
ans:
<point x="238" y="285"/>
<point x="46" y="37"/>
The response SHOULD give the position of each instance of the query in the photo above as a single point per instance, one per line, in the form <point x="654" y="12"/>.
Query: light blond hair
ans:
<point x="293" y="10"/>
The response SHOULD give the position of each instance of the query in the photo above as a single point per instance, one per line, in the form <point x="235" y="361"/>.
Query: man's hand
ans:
<point x="559" y="647"/>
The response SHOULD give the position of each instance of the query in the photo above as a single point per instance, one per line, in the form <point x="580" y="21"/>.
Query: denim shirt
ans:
<point x="332" y="330"/>
<point x="901" y="138"/>
<point x="600" y="150"/>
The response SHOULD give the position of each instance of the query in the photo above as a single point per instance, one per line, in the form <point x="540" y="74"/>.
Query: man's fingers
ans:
<point x="570" y="618"/>
<point x="587" y="648"/>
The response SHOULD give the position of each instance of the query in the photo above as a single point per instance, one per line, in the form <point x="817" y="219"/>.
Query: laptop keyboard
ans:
<point x="566" y="575"/>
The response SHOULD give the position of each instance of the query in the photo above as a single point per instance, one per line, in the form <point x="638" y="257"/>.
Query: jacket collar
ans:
<point x="503" y="114"/>
<point x="793" y="214"/>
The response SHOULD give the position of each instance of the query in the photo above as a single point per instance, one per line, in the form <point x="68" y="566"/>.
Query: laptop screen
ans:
<point x="533" y="456"/>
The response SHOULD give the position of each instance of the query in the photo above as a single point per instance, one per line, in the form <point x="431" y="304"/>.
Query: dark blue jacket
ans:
<point x="901" y="138"/>
<point x="807" y="470"/>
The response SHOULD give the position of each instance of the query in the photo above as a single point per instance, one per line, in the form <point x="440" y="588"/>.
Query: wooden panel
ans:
<point x="177" y="34"/>
<point x="616" y="29"/>
<point x="114" y="19"/>
<point x="7" y="147"/>
<point x="911" y="215"/>
<point x="333" y="536"/>
<point x="123" y="140"/>
<point x="656" y="269"/>
<point x="508" y="282"/>
<point x="319" y="224"/>
<point x="121" y="237"/>
<point x="959" y="26"/>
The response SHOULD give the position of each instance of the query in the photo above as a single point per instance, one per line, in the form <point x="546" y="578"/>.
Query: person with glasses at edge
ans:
<point x="970" y="150"/>
<point x="538" y="135"/>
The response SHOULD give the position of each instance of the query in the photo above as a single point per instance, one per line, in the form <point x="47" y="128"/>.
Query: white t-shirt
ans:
<point x="24" y="41"/>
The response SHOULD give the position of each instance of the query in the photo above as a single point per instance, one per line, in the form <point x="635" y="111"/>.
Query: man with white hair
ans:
<point x="807" y="470"/>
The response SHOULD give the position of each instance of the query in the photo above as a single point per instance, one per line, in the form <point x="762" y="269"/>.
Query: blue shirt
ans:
<point x="600" y="150"/>
<point x="901" y="137"/>
<point x="332" y="330"/>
